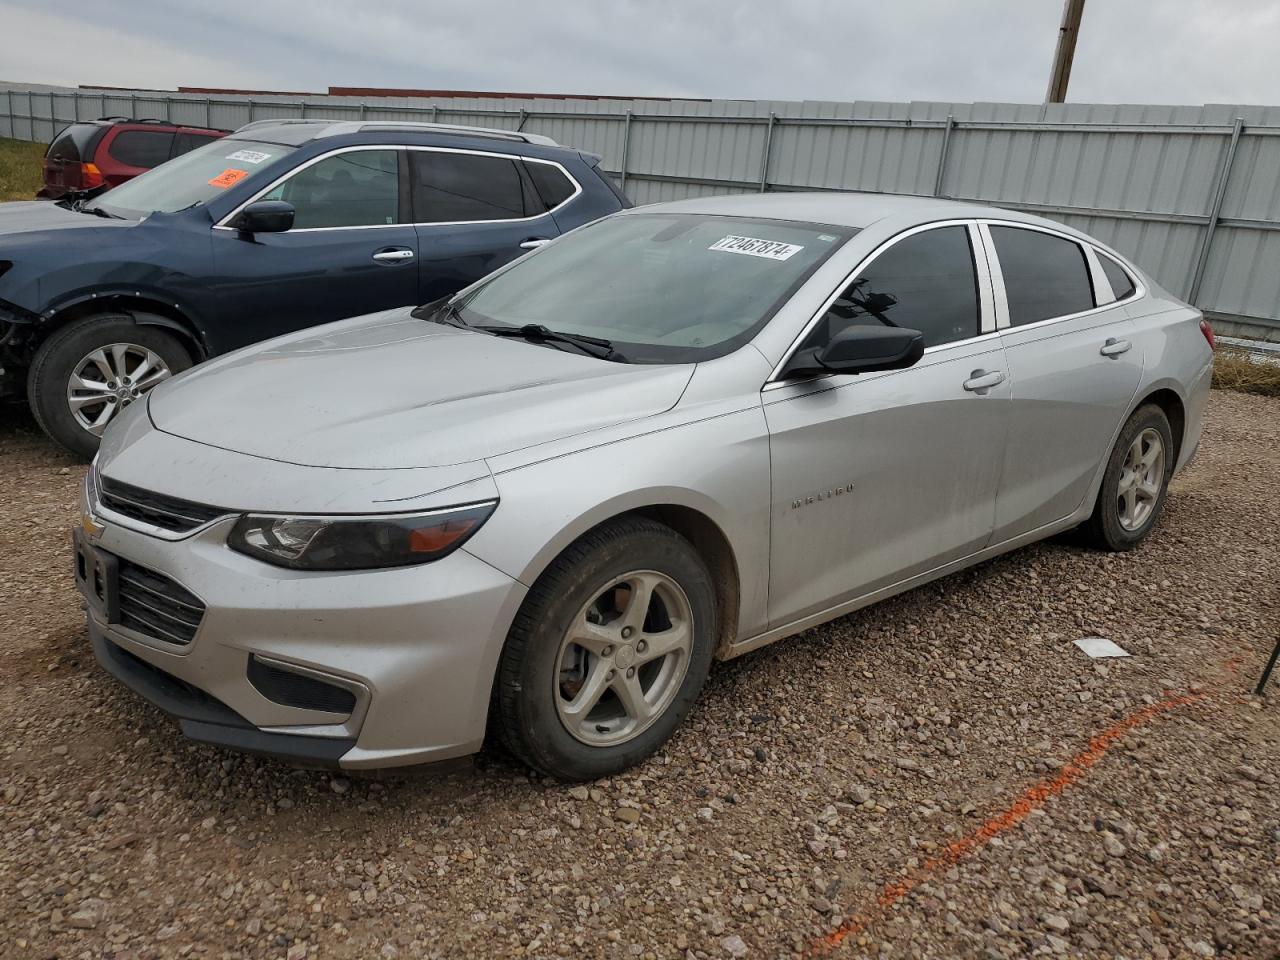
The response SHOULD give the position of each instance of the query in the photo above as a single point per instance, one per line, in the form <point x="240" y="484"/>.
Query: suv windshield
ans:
<point x="192" y="178"/>
<point x="663" y="288"/>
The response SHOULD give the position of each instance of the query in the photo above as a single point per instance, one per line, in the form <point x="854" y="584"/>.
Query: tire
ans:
<point x="125" y="344"/>
<point x="542" y="672"/>
<point x="1115" y="525"/>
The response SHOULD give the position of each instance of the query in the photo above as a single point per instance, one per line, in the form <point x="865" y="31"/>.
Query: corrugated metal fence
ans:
<point x="1190" y="193"/>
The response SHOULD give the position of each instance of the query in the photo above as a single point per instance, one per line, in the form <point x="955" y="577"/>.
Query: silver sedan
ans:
<point x="539" y="509"/>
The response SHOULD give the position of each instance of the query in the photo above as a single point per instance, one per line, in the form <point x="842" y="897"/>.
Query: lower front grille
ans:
<point x="156" y="606"/>
<point x="296" y="690"/>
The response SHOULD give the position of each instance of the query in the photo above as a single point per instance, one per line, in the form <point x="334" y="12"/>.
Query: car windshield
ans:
<point x="663" y="288"/>
<point x="195" y="177"/>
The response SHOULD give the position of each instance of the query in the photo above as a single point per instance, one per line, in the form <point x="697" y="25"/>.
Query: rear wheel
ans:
<point x="90" y="370"/>
<point x="608" y="653"/>
<point x="1135" y="484"/>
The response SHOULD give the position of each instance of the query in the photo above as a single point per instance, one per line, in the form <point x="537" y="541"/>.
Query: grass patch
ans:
<point x="1237" y="370"/>
<point x="20" y="175"/>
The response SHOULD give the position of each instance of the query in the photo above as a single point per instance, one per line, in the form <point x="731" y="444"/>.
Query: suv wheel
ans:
<point x="90" y="370"/>
<point x="608" y="653"/>
<point x="1135" y="484"/>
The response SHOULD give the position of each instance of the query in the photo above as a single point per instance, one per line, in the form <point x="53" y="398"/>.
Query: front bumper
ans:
<point x="414" y="647"/>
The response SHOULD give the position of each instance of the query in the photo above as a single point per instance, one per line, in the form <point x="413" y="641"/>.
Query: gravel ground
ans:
<point x="895" y="747"/>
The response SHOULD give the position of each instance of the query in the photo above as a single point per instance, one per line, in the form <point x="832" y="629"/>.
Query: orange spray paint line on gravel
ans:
<point x="1033" y="798"/>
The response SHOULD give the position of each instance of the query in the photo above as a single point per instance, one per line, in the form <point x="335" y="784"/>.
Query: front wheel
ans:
<point x="1135" y="483"/>
<point x="90" y="370"/>
<point x="608" y="652"/>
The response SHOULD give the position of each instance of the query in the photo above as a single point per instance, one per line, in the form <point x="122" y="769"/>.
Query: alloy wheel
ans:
<point x="623" y="658"/>
<point x="1141" y="479"/>
<point x="108" y="379"/>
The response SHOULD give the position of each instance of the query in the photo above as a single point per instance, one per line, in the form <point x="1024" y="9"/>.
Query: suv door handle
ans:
<point x="1114" y="347"/>
<point x="533" y="243"/>
<point x="393" y="255"/>
<point x="980" y="381"/>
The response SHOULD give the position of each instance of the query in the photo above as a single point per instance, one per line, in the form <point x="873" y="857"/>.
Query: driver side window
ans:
<point x="925" y="282"/>
<point x="358" y="188"/>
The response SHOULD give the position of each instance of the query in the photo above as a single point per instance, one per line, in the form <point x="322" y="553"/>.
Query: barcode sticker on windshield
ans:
<point x="754" y="247"/>
<point x="249" y="156"/>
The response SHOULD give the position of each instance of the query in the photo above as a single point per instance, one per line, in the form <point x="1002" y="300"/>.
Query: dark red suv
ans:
<point x="111" y="150"/>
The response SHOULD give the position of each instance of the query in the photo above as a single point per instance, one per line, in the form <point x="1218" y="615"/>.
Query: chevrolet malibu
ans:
<point x="540" y="508"/>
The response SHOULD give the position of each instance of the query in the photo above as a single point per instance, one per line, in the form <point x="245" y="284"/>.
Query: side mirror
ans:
<point x="861" y="349"/>
<point x="265" y="216"/>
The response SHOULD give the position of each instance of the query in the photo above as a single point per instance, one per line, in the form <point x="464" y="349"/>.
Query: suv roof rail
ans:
<point x="132" y="120"/>
<point x="333" y="128"/>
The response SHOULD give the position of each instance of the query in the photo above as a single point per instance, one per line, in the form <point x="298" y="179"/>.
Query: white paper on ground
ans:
<point x="1101" y="647"/>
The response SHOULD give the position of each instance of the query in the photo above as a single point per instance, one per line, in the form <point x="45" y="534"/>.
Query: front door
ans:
<point x="882" y="476"/>
<point x="351" y="251"/>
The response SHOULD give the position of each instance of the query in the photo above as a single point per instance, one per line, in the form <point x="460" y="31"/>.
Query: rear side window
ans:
<point x="456" y="187"/>
<point x="554" y="188"/>
<point x="1045" y="276"/>
<point x="925" y="282"/>
<point x="359" y="188"/>
<point x="186" y="142"/>
<point x="1121" y="283"/>
<point x="72" y="143"/>
<point x="141" y="148"/>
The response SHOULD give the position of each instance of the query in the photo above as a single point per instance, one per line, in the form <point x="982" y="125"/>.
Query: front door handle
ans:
<point x="1114" y="347"/>
<point x="393" y="255"/>
<point x="533" y="243"/>
<point x="980" y="381"/>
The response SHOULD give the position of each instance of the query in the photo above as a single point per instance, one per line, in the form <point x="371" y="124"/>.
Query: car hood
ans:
<point x="389" y="391"/>
<point x="28" y="219"/>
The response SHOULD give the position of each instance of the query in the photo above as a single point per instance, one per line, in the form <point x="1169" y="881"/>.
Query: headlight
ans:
<point x="358" y="543"/>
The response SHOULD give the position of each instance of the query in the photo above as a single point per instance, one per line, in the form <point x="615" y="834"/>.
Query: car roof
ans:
<point x="296" y="132"/>
<point x="858" y="210"/>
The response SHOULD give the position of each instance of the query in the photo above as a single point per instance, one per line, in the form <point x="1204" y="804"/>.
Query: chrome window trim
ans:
<point x="1002" y="300"/>
<point x="577" y="188"/>
<point x="1138" y="288"/>
<point x="981" y="268"/>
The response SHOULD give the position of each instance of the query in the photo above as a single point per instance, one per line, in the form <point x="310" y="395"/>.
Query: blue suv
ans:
<point x="284" y="224"/>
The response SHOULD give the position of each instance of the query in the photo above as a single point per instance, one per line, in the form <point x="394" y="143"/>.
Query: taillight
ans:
<point x="90" y="176"/>
<point x="1208" y="334"/>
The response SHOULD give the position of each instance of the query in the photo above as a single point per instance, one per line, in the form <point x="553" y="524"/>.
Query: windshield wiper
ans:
<point x="440" y="312"/>
<point x="97" y="212"/>
<point x="537" y="333"/>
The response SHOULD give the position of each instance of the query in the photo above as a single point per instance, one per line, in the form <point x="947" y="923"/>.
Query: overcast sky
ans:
<point x="1130" y="51"/>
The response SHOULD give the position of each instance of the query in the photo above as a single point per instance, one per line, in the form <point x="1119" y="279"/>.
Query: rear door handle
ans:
<point x="533" y="243"/>
<point x="393" y="255"/>
<point x="1114" y="347"/>
<point x="980" y="381"/>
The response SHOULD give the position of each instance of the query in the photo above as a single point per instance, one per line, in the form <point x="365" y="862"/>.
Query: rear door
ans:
<point x="351" y="249"/>
<point x="474" y="212"/>
<point x="1073" y="367"/>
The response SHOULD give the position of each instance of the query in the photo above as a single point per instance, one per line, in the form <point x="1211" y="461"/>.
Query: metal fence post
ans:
<point x="251" y="106"/>
<point x="626" y="150"/>
<point x="208" y="109"/>
<point x="1219" y="191"/>
<point x="764" y="155"/>
<point x="524" y="115"/>
<point x="133" y="106"/>
<point x="302" y="107"/>
<point x="942" y="156"/>
<point x="362" y="106"/>
<point x="433" y="113"/>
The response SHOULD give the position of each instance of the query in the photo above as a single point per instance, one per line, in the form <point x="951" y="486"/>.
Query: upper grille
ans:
<point x="157" y="509"/>
<point x="156" y="606"/>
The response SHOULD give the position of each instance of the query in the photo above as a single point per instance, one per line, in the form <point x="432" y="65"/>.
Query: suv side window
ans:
<point x="457" y="187"/>
<point x="141" y="148"/>
<point x="1121" y="283"/>
<point x="553" y="186"/>
<point x="926" y="282"/>
<point x="359" y="188"/>
<point x="1045" y="276"/>
<point x="186" y="142"/>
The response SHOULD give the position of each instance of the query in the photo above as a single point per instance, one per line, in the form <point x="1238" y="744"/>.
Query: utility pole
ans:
<point x="1072" y="11"/>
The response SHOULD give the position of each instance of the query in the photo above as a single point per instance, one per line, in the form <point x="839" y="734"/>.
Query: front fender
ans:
<point x="717" y="467"/>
